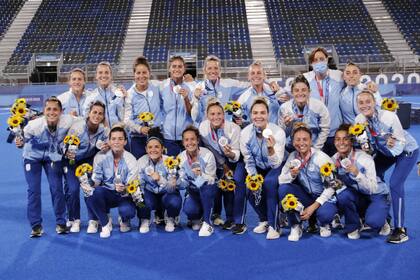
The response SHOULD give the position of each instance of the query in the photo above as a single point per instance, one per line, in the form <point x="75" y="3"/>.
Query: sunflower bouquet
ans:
<point x="359" y="132"/>
<point x="172" y="164"/>
<point x="389" y="104"/>
<point x="227" y="184"/>
<point x="71" y="143"/>
<point x="234" y="109"/>
<point x="254" y="183"/>
<point x="84" y="173"/>
<point x="15" y="123"/>
<point x="328" y="175"/>
<point x="146" y="119"/>
<point x="134" y="190"/>
<point x="22" y="108"/>
<point x="291" y="203"/>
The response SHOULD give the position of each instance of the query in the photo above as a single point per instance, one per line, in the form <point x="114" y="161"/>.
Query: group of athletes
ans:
<point x="296" y="154"/>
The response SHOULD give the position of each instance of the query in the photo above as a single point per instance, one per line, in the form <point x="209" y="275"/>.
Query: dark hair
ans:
<point x="344" y="127"/>
<point x="300" y="126"/>
<point x="118" y="128"/>
<point x="97" y="103"/>
<point x="155" y="134"/>
<point x="193" y="129"/>
<point x="54" y="99"/>
<point x="351" y="63"/>
<point x="300" y="79"/>
<point x="260" y="100"/>
<point x="314" y="51"/>
<point x="213" y="102"/>
<point x="141" y="60"/>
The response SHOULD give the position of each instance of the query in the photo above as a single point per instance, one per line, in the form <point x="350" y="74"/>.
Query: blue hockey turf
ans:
<point x="183" y="255"/>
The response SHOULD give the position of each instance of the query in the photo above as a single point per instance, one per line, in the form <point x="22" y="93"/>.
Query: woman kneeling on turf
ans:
<point x="305" y="164"/>
<point x="365" y="193"/>
<point x="112" y="172"/>
<point x="158" y="176"/>
<point x="198" y="176"/>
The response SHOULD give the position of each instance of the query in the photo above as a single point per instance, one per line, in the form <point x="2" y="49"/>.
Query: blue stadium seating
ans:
<point x="208" y="26"/>
<point x="406" y="15"/>
<point x="85" y="31"/>
<point x="8" y="11"/>
<point x="344" y="24"/>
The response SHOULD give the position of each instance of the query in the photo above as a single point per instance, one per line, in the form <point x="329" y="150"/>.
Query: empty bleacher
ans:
<point x="405" y="14"/>
<point x="208" y="26"/>
<point x="85" y="31"/>
<point x="8" y="11"/>
<point x="344" y="24"/>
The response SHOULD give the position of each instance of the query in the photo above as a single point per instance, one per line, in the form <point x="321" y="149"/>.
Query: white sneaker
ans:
<point x="145" y="226"/>
<point x="325" y="231"/>
<point x="261" y="228"/>
<point x="218" y="221"/>
<point x="69" y="223"/>
<point x="92" y="226"/>
<point x="196" y="224"/>
<point x="354" y="234"/>
<point x="205" y="230"/>
<point x="106" y="230"/>
<point x="75" y="226"/>
<point x="295" y="233"/>
<point x="125" y="227"/>
<point x="386" y="229"/>
<point x="170" y="224"/>
<point x="272" y="233"/>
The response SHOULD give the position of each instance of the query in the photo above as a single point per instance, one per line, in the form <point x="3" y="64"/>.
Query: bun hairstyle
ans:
<point x="300" y="126"/>
<point x="155" y="134"/>
<point x="300" y="79"/>
<point x="141" y="60"/>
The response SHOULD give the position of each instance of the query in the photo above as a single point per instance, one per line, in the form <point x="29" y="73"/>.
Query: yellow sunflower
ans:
<point x="228" y="107"/>
<point x="231" y="186"/>
<point x="170" y="162"/>
<point x="14" y="121"/>
<point x="146" y="117"/>
<point x="356" y="129"/>
<point x="19" y="109"/>
<point x="326" y="169"/>
<point x="132" y="186"/>
<point x="389" y="104"/>
<point x="222" y="184"/>
<point x="236" y="105"/>
<point x="83" y="169"/>
<point x="247" y="179"/>
<point x="20" y="101"/>
<point x="289" y="202"/>
<point x="253" y="186"/>
<point x="229" y="174"/>
<point x="259" y="178"/>
<point x="71" y="140"/>
<point x="76" y="140"/>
